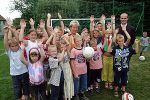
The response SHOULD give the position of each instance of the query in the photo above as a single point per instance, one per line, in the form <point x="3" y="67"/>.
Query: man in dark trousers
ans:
<point x="130" y="29"/>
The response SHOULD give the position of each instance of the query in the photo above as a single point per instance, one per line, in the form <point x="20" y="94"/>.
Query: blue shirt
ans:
<point x="122" y="57"/>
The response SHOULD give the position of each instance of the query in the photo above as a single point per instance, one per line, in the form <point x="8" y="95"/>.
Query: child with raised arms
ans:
<point x="18" y="70"/>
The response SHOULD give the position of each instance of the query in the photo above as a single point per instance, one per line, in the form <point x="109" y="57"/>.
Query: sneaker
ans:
<point x="83" y="97"/>
<point x="75" y="97"/>
<point x="97" y="90"/>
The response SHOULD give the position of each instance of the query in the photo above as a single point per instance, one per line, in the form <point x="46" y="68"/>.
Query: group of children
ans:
<point x="51" y="60"/>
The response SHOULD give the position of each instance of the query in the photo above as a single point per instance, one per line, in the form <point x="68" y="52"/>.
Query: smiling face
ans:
<point x="78" y="41"/>
<point x="74" y="29"/>
<point x="14" y="47"/>
<point x="93" y="44"/>
<point x="13" y="44"/>
<point x="96" y="33"/>
<point x="144" y="34"/>
<point x="52" y="51"/>
<point x="33" y="35"/>
<point x="34" y="57"/>
<point x="120" y="40"/>
<point x="99" y="26"/>
<point x="124" y="18"/>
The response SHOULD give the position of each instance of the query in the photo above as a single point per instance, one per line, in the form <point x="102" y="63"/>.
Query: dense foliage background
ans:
<point x="38" y="9"/>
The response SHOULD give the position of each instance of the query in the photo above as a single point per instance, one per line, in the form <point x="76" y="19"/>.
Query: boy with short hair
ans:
<point x="121" y="59"/>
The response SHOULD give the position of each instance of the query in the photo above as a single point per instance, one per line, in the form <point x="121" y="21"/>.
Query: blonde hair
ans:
<point x="77" y="37"/>
<point x="51" y="47"/>
<point x="119" y="36"/>
<point x="93" y="41"/>
<point x="13" y="41"/>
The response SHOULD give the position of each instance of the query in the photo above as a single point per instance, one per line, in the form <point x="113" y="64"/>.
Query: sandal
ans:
<point x="110" y="86"/>
<point x="106" y="85"/>
<point x="116" y="94"/>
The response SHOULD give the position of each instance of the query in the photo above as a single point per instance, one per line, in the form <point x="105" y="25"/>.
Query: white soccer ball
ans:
<point x="127" y="96"/>
<point x="141" y="58"/>
<point x="88" y="52"/>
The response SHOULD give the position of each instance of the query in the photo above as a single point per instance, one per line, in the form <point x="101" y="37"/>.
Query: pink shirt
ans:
<point x="36" y="75"/>
<point x="80" y="66"/>
<point x="96" y="60"/>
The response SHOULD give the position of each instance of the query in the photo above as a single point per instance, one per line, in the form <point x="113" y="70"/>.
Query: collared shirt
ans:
<point x="55" y="71"/>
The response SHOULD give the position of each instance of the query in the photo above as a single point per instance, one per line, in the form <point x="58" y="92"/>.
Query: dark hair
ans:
<point x="38" y="54"/>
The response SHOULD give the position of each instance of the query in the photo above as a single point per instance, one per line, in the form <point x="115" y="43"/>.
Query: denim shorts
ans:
<point x="80" y="84"/>
<point x="20" y="85"/>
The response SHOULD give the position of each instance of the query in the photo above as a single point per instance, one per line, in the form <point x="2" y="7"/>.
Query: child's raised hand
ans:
<point x="136" y="41"/>
<point x="31" y="22"/>
<point x="103" y="17"/>
<point x="48" y="15"/>
<point x="117" y="30"/>
<point x="22" y="23"/>
<point x="59" y="16"/>
<point x="113" y="17"/>
<point x="42" y="24"/>
<point x="92" y="18"/>
<point x="8" y="22"/>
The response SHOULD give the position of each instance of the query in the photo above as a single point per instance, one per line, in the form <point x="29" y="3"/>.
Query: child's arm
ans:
<point x="54" y="38"/>
<point x="102" y="21"/>
<point x="21" y="34"/>
<point x="14" y="33"/>
<point x="61" y="23"/>
<point x="45" y="35"/>
<point x="10" y="34"/>
<point x="42" y="53"/>
<point x="73" y="68"/>
<point x="115" y="35"/>
<point x="127" y="35"/>
<point x="49" y="39"/>
<point x="6" y="30"/>
<point x="48" y="20"/>
<point x="48" y="24"/>
<point x="31" y="23"/>
<point x="22" y="58"/>
<point x="136" y="45"/>
<point x="61" y="56"/>
<point x="91" y="25"/>
<point x="113" y="23"/>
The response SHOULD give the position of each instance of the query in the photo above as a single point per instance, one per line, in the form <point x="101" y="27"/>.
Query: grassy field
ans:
<point x="138" y="86"/>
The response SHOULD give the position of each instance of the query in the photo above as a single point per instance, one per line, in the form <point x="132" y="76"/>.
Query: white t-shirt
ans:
<point x="30" y="46"/>
<point x="144" y="41"/>
<point x="16" y="66"/>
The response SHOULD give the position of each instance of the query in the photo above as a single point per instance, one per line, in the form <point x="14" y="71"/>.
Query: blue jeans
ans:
<point x="20" y="85"/>
<point x="80" y="84"/>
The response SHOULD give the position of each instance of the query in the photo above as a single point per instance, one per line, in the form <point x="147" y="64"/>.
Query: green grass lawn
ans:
<point x="138" y="86"/>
